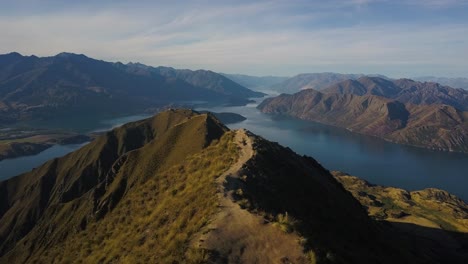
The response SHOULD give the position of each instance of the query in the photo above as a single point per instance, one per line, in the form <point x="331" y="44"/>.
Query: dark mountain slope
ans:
<point x="209" y="80"/>
<point x="431" y="126"/>
<point x="75" y="85"/>
<point x="432" y="207"/>
<point x="431" y="215"/>
<point x="334" y="229"/>
<point x="403" y="90"/>
<point x="181" y="188"/>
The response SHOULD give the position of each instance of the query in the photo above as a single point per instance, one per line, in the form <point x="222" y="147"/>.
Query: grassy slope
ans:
<point x="430" y="207"/>
<point x="152" y="223"/>
<point x="433" y="221"/>
<point x="67" y="194"/>
<point x="298" y="195"/>
<point x="145" y="192"/>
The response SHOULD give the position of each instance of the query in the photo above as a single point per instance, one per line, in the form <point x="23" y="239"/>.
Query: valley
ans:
<point x="402" y="111"/>
<point x="73" y="86"/>
<point x="371" y="158"/>
<point x="181" y="186"/>
<point x="202" y="187"/>
<point x="234" y="132"/>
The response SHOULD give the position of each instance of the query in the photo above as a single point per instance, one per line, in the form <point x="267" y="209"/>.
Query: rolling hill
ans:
<point x="180" y="187"/>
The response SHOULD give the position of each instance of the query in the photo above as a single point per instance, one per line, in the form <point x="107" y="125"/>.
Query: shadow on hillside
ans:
<point x="299" y="195"/>
<point x="441" y="245"/>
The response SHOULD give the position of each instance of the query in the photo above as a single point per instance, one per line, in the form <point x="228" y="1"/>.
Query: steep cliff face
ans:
<point x="432" y="126"/>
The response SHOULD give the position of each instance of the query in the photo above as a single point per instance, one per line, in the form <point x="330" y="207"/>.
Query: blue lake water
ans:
<point x="16" y="166"/>
<point x="13" y="167"/>
<point x="378" y="161"/>
<point x="373" y="159"/>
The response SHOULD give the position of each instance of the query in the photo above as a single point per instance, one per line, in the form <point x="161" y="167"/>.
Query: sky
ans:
<point x="283" y="38"/>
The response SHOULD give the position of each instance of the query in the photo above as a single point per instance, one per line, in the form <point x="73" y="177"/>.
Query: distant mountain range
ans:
<point x="317" y="81"/>
<point x="255" y="82"/>
<point x="72" y="85"/>
<point x="180" y="187"/>
<point x="200" y="78"/>
<point x="403" y="90"/>
<point x="402" y="111"/>
<point x="459" y="82"/>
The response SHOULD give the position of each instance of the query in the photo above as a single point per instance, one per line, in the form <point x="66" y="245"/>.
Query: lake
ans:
<point x="370" y="158"/>
<point x="378" y="161"/>
<point x="13" y="167"/>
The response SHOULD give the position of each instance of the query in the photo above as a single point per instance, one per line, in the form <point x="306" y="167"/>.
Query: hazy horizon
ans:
<point x="248" y="74"/>
<point x="262" y="38"/>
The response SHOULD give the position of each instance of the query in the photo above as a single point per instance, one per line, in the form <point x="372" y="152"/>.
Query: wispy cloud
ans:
<point x="438" y="3"/>
<point x="266" y="37"/>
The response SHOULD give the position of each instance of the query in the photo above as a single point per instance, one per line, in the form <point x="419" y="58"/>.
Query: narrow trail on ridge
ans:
<point x="238" y="236"/>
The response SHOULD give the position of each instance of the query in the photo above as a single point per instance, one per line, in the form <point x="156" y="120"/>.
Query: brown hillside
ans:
<point x="432" y="126"/>
<point x="181" y="188"/>
<point x="403" y="90"/>
<point x="433" y="217"/>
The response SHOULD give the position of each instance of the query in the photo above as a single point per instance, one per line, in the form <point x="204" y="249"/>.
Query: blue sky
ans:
<point x="392" y="37"/>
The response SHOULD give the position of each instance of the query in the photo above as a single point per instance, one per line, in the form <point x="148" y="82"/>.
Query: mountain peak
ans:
<point x="69" y="85"/>
<point x="402" y="111"/>
<point x="10" y="57"/>
<point x="183" y="178"/>
<point x="14" y="54"/>
<point x="97" y="176"/>
<point x="70" y="55"/>
<point x="180" y="187"/>
<point x="406" y="80"/>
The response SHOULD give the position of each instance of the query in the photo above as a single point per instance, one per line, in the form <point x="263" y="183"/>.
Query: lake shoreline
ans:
<point x="372" y="158"/>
